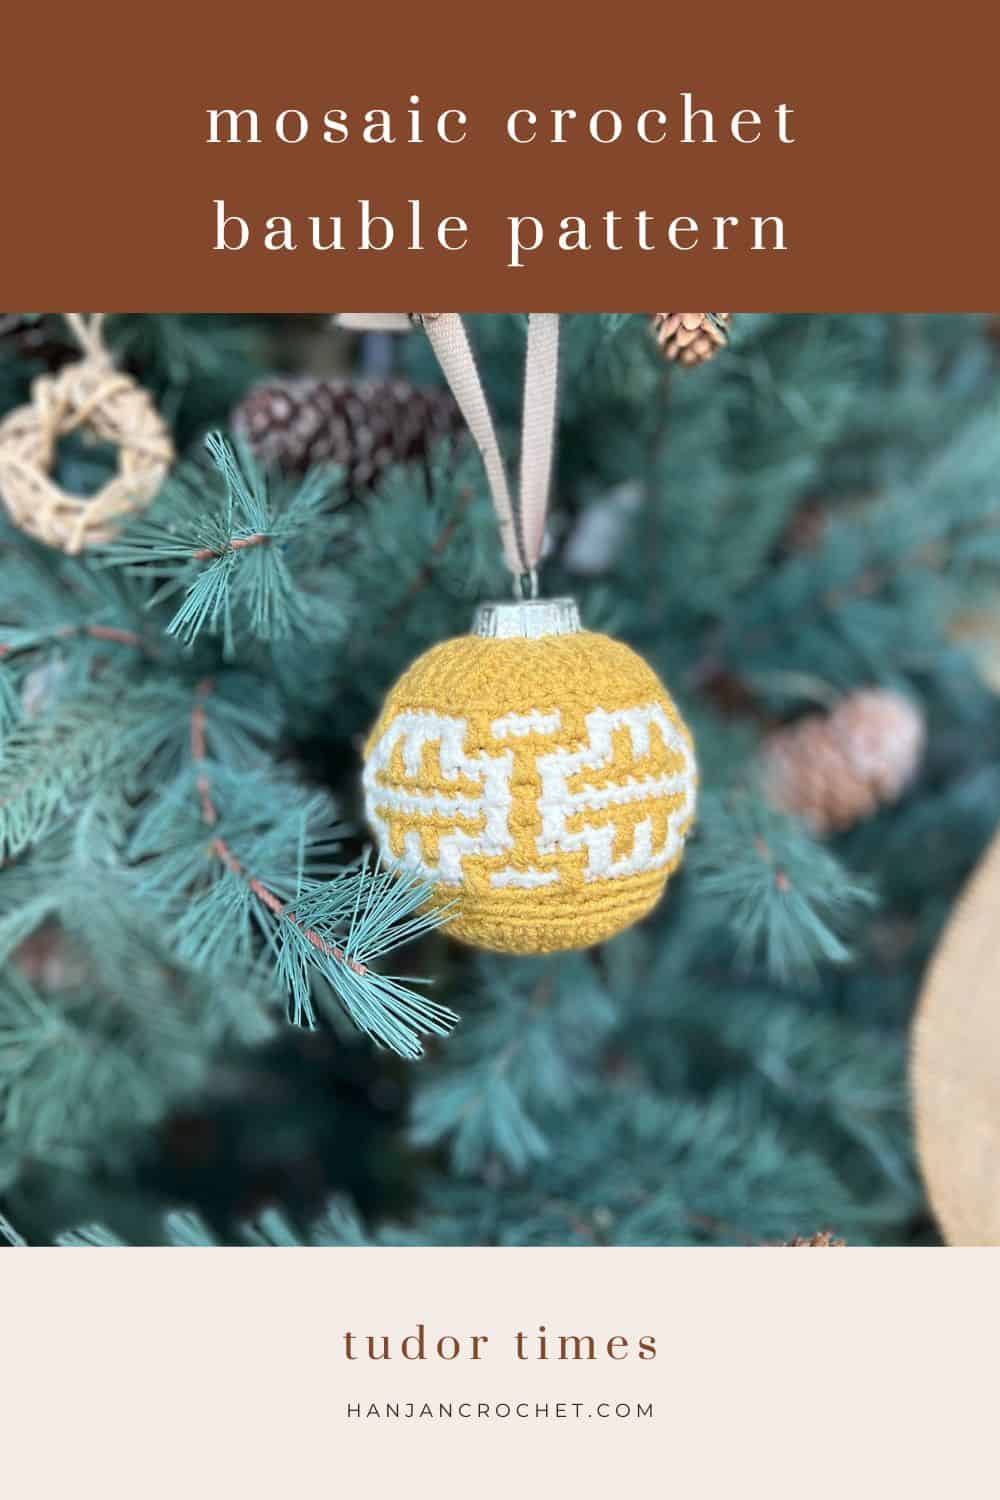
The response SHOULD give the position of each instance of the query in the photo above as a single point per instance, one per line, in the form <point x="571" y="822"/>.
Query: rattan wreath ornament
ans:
<point x="92" y="396"/>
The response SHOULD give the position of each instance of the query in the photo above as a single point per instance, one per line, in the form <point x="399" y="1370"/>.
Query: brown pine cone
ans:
<point x="364" y="426"/>
<point x="835" y="769"/>
<point x="691" y="338"/>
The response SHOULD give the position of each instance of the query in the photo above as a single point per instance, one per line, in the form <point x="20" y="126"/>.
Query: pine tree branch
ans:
<point x="241" y="547"/>
<point x="783" y="898"/>
<point x="222" y="851"/>
<point x="425" y="574"/>
<point x="380" y="909"/>
<point x="66" y="632"/>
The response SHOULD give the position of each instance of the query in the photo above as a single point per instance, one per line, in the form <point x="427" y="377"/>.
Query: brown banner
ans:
<point x="781" y="156"/>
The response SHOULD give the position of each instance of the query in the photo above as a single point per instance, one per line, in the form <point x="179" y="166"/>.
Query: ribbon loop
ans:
<point x="522" y="526"/>
<point x="538" y="426"/>
<point x="88" y="334"/>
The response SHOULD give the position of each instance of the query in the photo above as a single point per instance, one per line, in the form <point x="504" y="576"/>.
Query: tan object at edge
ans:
<point x="955" y="1065"/>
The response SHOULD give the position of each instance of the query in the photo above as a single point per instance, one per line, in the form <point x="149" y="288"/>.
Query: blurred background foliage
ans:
<point x="809" y="515"/>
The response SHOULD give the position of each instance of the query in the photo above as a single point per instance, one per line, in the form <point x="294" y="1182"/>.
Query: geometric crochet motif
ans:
<point x="581" y="803"/>
<point x="546" y="784"/>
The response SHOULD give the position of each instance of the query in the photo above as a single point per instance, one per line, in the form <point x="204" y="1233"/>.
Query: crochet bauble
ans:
<point x="538" y="775"/>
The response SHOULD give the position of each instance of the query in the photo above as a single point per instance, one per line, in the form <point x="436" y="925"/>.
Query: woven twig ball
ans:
<point x="89" y="395"/>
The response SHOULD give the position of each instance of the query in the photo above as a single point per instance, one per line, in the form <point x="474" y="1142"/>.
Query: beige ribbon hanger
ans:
<point x="374" y="322"/>
<point x="88" y="333"/>
<point x="521" y="524"/>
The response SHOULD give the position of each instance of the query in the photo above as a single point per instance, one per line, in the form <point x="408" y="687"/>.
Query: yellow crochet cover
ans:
<point x="547" y="784"/>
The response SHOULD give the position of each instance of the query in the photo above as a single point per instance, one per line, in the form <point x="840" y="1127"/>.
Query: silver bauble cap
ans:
<point x="526" y="619"/>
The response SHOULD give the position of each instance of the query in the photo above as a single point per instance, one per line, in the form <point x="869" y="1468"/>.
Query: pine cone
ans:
<point x="691" y="338"/>
<point x="835" y="769"/>
<point x="364" y="426"/>
<point x="823" y="1240"/>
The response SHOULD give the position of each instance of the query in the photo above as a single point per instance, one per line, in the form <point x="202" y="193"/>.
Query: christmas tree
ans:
<point x="222" y="1019"/>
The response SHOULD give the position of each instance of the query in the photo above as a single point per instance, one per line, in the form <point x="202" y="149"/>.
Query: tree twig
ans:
<point x="96" y="632"/>
<point x="235" y="544"/>
<point x="425" y="573"/>
<point x="222" y="851"/>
